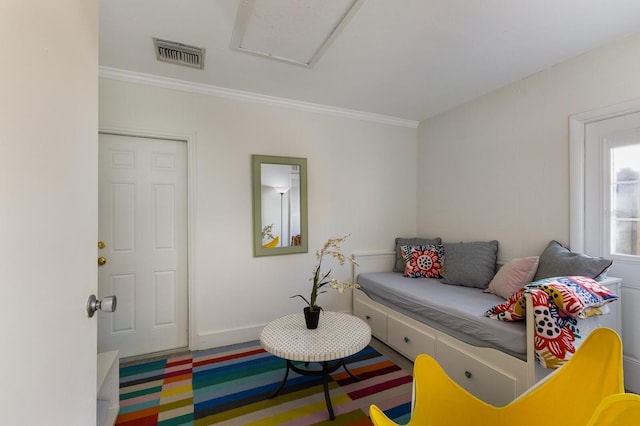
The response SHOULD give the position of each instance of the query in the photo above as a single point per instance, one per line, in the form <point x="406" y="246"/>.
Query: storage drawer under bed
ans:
<point x="408" y="339"/>
<point x="489" y="383"/>
<point x="376" y="318"/>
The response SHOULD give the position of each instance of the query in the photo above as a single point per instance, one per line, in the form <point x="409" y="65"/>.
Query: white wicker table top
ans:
<point x="338" y="335"/>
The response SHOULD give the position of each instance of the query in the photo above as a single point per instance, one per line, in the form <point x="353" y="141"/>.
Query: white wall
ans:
<point x="498" y="167"/>
<point x="48" y="211"/>
<point x="361" y="181"/>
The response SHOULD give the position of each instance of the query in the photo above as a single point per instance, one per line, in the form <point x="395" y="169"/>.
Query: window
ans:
<point x="605" y="188"/>
<point x="624" y="188"/>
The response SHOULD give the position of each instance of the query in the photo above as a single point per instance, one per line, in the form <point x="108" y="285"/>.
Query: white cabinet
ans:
<point x="613" y="319"/>
<point x="108" y="388"/>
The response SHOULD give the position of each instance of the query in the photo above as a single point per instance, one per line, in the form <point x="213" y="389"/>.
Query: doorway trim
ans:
<point x="577" y="149"/>
<point x="190" y="140"/>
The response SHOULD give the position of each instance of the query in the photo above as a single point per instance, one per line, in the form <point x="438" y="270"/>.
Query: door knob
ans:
<point x="107" y="304"/>
<point x="102" y="260"/>
<point x="101" y="245"/>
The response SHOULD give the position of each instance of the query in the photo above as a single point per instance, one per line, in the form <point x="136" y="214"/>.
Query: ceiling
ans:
<point x="408" y="59"/>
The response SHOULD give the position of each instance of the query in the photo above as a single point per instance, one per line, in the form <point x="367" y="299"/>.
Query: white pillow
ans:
<point x="513" y="275"/>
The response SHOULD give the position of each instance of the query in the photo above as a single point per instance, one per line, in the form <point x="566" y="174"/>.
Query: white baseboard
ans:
<point x="631" y="375"/>
<point x="215" y="339"/>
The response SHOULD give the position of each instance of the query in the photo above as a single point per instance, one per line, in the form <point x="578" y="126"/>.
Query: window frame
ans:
<point x="626" y="138"/>
<point x="577" y="178"/>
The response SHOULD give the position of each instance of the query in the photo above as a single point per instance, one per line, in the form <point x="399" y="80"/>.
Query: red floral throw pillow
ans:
<point x="423" y="261"/>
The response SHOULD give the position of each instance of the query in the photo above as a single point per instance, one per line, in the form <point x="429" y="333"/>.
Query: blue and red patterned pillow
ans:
<point x="423" y="261"/>
<point x="576" y="296"/>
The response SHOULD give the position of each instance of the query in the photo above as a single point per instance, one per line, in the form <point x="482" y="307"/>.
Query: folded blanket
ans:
<point x="558" y="304"/>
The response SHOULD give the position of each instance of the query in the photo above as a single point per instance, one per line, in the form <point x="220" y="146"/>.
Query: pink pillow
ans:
<point x="513" y="275"/>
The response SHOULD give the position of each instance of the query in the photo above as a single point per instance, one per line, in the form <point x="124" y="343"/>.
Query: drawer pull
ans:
<point x="406" y="340"/>
<point x="367" y="317"/>
<point x="467" y="374"/>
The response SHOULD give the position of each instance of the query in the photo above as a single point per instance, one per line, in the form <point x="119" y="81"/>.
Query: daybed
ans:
<point x="494" y="360"/>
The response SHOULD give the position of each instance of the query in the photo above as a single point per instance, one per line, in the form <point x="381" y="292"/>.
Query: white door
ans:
<point x="612" y="201"/>
<point x="48" y="212"/>
<point x="143" y="225"/>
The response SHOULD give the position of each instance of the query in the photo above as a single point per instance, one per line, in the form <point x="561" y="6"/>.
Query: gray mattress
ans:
<point x="454" y="310"/>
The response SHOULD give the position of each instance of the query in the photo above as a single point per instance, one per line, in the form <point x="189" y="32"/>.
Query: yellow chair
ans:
<point x="619" y="410"/>
<point x="569" y="396"/>
<point x="273" y="243"/>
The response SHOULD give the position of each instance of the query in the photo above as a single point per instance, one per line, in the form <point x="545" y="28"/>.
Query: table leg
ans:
<point x="325" y="385"/>
<point x="349" y="372"/>
<point x="284" y="380"/>
<point x="327" y="369"/>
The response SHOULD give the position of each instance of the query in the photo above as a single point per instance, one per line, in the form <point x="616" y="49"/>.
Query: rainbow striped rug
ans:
<point x="230" y="386"/>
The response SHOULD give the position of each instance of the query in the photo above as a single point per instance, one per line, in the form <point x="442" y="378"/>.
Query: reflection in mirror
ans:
<point x="279" y="185"/>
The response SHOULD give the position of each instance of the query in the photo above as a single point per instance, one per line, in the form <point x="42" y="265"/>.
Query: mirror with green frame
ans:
<point x="279" y="205"/>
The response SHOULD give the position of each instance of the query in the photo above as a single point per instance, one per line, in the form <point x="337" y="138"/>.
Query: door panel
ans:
<point x="124" y="286"/>
<point x="122" y="201"/>
<point x="600" y="136"/>
<point x="143" y="222"/>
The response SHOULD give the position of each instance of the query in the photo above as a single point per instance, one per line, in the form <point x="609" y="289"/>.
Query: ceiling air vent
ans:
<point x="178" y="53"/>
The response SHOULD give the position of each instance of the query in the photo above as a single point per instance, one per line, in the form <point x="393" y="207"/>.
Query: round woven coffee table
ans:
<point x="338" y="336"/>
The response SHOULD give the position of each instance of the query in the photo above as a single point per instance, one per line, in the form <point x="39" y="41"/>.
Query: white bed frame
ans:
<point x="493" y="376"/>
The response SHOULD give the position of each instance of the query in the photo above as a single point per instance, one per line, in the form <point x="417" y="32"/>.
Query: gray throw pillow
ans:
<point x="470" y="264"/>
<point x="415" y="241"/>
<point x="558" y="261"/>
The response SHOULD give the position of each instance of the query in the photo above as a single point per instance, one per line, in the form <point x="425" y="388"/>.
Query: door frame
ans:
<point x="577" y="149"/>
<point x="190" y="140"/>
<point x="577" y="153"/>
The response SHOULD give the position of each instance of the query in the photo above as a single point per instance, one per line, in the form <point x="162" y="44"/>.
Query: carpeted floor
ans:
<point x="230" y="386"/>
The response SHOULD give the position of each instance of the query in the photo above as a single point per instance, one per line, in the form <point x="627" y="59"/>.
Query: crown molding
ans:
<point x="209" y="90"/>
